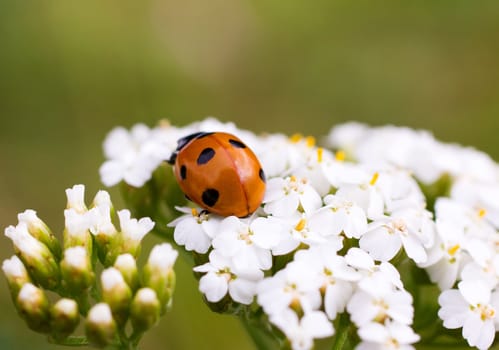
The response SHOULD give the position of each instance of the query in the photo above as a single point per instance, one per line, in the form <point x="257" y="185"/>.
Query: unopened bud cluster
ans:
<point x="121" y="295"/>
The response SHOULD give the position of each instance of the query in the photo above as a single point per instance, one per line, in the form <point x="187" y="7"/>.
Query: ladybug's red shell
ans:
<point x="220" y="173"/>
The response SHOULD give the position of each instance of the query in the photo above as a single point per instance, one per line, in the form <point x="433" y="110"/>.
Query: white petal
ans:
<point x="111" y="172"/>
<point x="477" y="332"/>
<point x="380" y="244"/>
<point x="213" y="286"/>
<point x="242" y="291"/>
<point x="475" y="292"/>
<point x="373" y="332"/>
<point x="266" y="232"/>
<point x="454" y="309"/>
<point x="359" y="258"/>
<point x="310" y="200"/>
<point x="414" y="249"/>
<point x="283" y="207"/>
<point x="336" y="298"/>
<point x="316" y="324"/>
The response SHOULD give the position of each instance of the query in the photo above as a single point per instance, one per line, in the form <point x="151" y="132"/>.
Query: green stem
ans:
<point x="70" y="341"/>
<point x="342" y="331"/>
<point x="259" y="338"/>
<point x="135" y="339"/>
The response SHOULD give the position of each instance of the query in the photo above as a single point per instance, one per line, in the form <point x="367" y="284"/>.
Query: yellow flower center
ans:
<point x="194" y="212"/>
<point x="310" y="141"/>
<point x="374" y="179"/>
<point x="453" y="250"/>
<point x="320" y="151"/>
<point x="340" y="155"/>
<point x="481" y="213"/>
<point x="300" y="225"/>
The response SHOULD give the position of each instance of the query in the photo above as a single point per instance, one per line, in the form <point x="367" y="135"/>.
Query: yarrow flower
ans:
<point x="338" y="223"/>
<point x="353" y="236"/>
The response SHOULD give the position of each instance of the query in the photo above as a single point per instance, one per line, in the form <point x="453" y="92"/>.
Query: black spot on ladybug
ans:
<point x="183" y="172"/>
<point x="262" y="175"/>
<point x="205" y="155"/>
<point x="210" y="197"/>
<point x="237" y="144"/>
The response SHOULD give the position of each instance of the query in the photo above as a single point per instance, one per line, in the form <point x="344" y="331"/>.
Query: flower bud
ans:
<point x="128" y="240"/>
<point x="37" y="258"/>
<point x="38" y="229"/>
<point x="33" y="306"/>
<point x="76" y="270"/>
<point x="116" y="293"/>
<point x="76" y="231"/>
<point x="16" y="274"/>
<point x="76" y="198"/>
<point x="159" y="274"/>
<point x="64" y="318"/>
<point x="100" y="326"/>
<point x="127" y="265"/>
<point x="144" y="310"/>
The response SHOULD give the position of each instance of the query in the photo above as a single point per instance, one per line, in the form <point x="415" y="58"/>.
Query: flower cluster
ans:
<point x="466" y="219"/>
<point x="339" y="226"/>
<point x="118" y="295"/>
<point x="317" y="211"/>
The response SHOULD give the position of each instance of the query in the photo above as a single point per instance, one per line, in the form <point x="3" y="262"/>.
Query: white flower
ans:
<point x="473" y="307"/>
<point x="223" y="276"/>
<point x="311" y="167"/>
<point x="283" y="197"/>
<point x="133" y="229"/>
<point x="195" y="229"/>
<point x="76" y="198"/>
<point x="342" y="215"/>
<point x="364" y="194"/>
<point x="133" y="156"/>
<point x="390" y="336"/>
<point x="247" y="244"/>
<point x="376" y="280"/>
<point x="77" y="223"/>
<point x="32" y="221"/>
<point x="274" y="154"/>
<point x="28" y="246"/>
<point x="365" y="307"/>
<point x="399" y="190"/>
<point x="455" y="226"/>
<point x="294" y="286"/>
<point x="162" y="257"/>
<point x="299" y="229"/>
<point x="99" y="220"/>
<point x="485" y="263"/>
<point x="335" y="274"/>
<point x="410" y="228"/>
<point x="302" y="332"/>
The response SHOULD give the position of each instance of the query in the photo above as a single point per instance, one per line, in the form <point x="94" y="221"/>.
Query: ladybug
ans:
<point x="217" y="171"/>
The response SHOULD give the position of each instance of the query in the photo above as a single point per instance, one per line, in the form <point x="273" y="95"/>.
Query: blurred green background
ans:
<point x="71" y="71"/>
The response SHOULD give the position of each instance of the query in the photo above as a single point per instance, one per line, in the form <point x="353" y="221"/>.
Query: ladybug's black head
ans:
<point x="184" y="141"/>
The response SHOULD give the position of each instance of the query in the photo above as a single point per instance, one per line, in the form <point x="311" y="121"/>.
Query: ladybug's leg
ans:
<point x="172" y="159"/>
